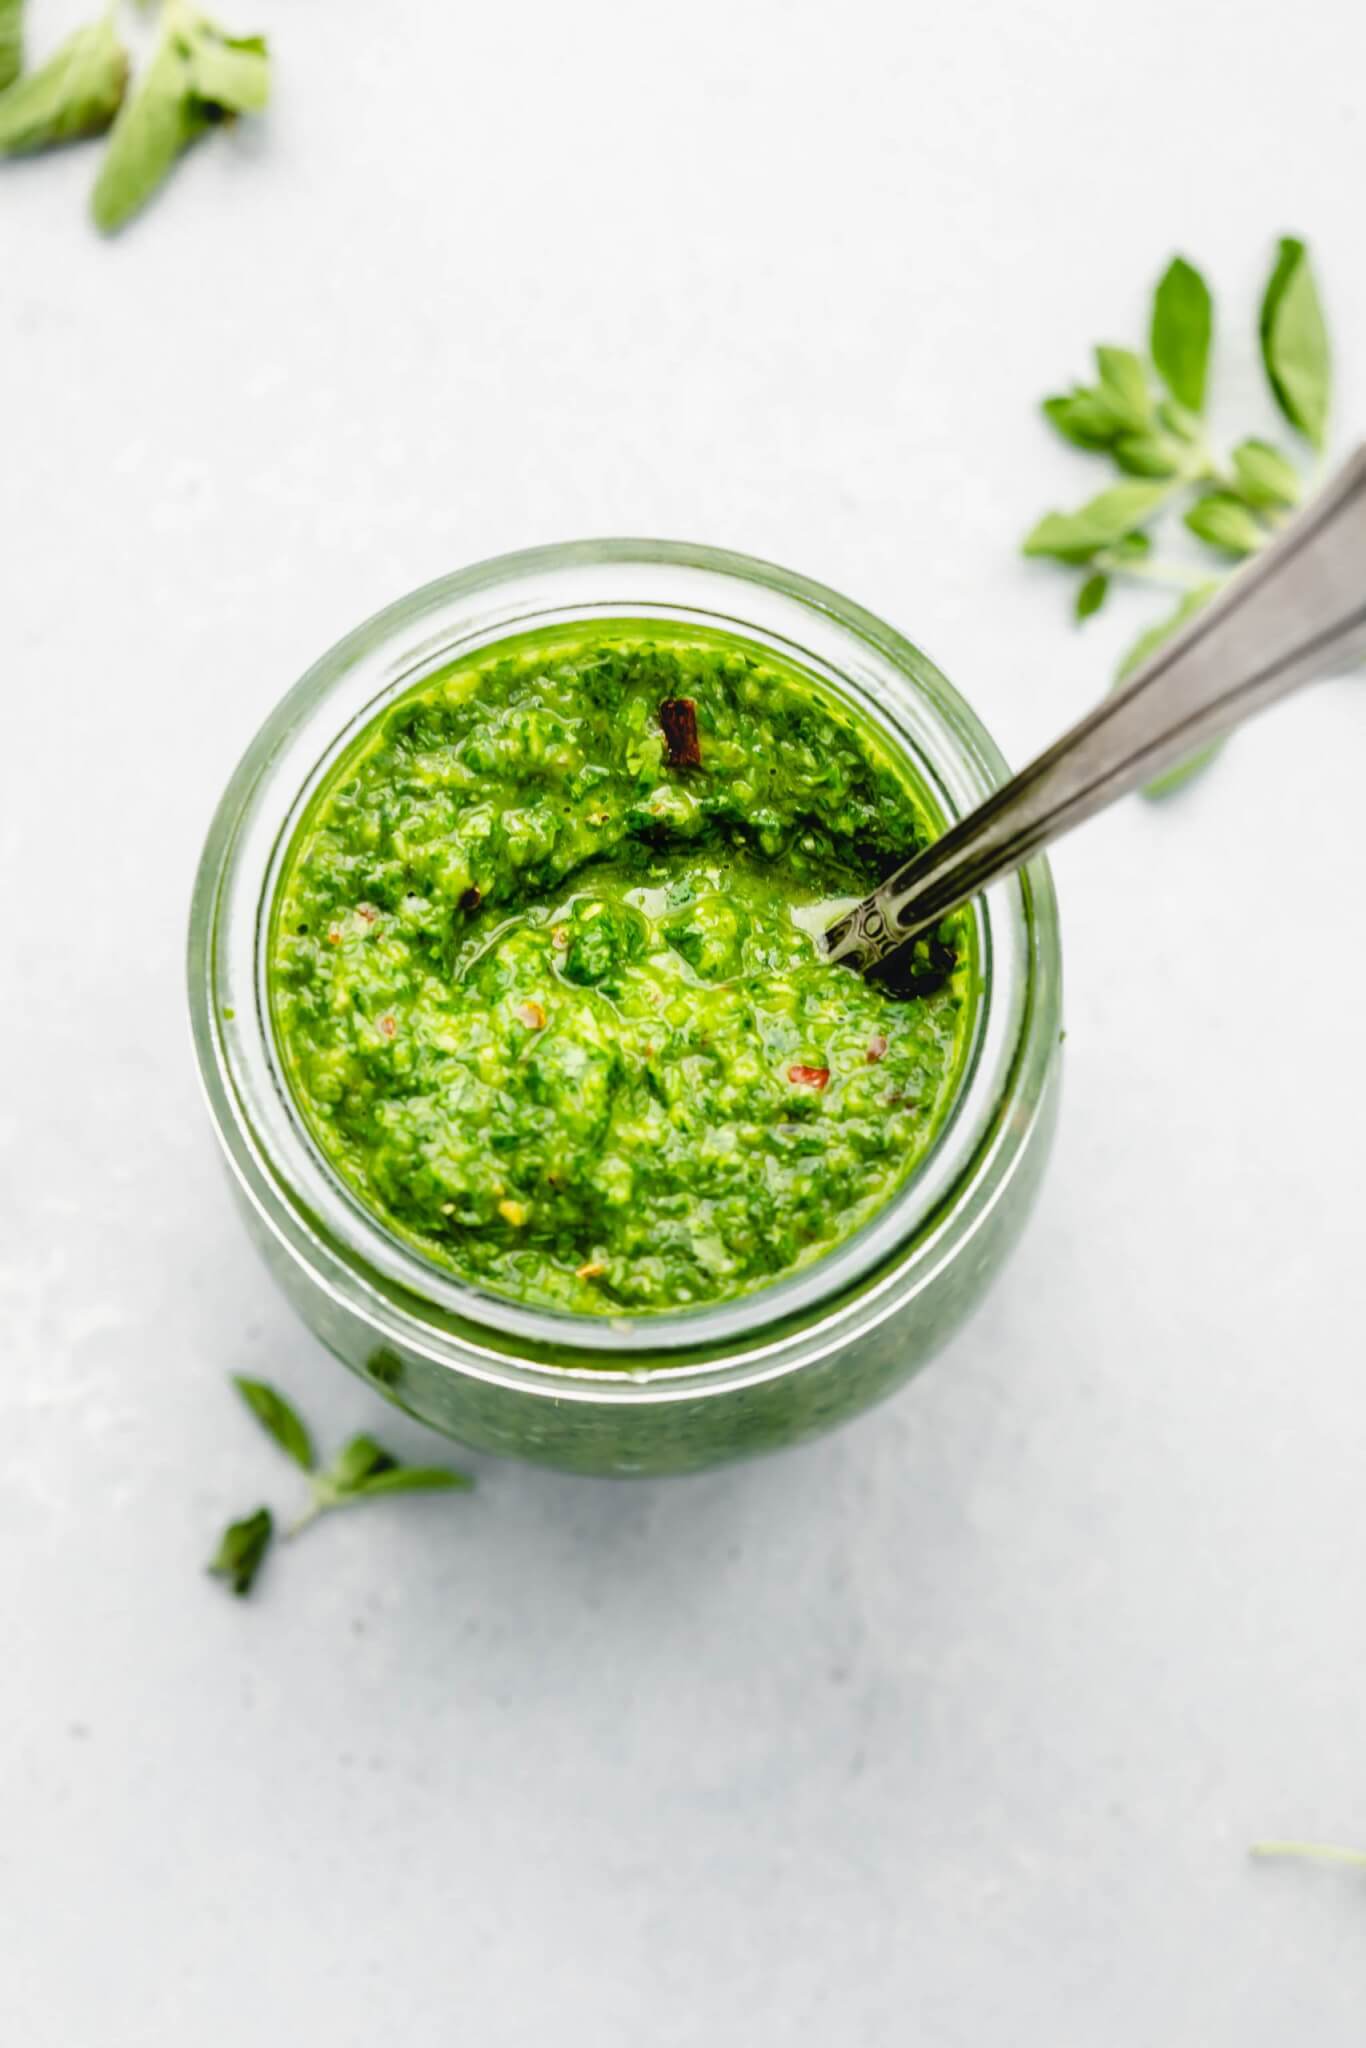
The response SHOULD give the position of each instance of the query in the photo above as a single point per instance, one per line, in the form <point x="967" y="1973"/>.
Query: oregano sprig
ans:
<point x="361" y="1470"/>
<point x="1148" y="418"/>
<point x="198" y="76"/>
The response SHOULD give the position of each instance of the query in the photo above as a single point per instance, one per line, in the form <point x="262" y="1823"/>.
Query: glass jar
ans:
<point x="664" y="1392"/>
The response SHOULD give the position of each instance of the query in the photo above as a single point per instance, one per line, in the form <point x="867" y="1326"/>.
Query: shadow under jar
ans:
<point x="669" y="1390"/>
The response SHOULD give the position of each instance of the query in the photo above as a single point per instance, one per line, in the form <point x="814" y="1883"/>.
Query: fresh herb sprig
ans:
<point x="1147" y="417"/>
<point x="361" y="1470"/>
<point x="198" y="76"/>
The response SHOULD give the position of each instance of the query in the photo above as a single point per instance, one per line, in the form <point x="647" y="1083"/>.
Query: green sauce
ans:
<point x="551" y="1002"/>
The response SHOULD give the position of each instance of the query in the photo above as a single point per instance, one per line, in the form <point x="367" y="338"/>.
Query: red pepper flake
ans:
<point x="877" y="1049"/>
<point x="530" y="1014"/>
<point x="471" y="898"/>
<point x="367" y="913"/>
<point x="334" y="935"/>
<point x="808" y="1077"/>
<point x="678" y="723"/>
<point x="389" y="1026"/>
<point x="592" y="1271"/>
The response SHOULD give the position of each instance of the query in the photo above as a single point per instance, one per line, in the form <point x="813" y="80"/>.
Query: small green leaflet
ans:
<point x="231" y="73"/>
<point x="1149" y="454"/>
<point x="355" y="1463"/>
<point x="412" y="1479"/>
<point x="242" y="1551"/>
<point x="1124" y="387"/>
<point x="364" y="1468"/>
<point x="1083" y="417"/>
<point x="1264" y="476"/>
<point x="279" y="1420"/>
<point x="1091" y="595"/>
<point x="11" y="41"/>
<point x="1179" y="421"/>
<point x="197" y="75"/>
<point x="159" y="120"/>
<point x="1182" y="328"/>
<point x="1294" y="342"/>
<point x="1148" y="643"/>
<point x="1226" y="523"/>
<point x="1076" y="536"/>
<point x="77" y="92"/>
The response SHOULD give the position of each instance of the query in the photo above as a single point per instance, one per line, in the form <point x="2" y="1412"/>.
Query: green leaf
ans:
<point x="11" y="41"/>
<point x="232" y="73"/>
<point x="1091" y="596"/>
<point x="1264" y="476"/>
<point x="1182" y="327"/>
<point x="412" y="1479"/>
<point x="1294" y="339"/>
<point x="1148" y="455"/>
<point x="1178" y="421"/>
<point x="1083" y="417"/>
<point x="1148" y="643"/>
<point x="242" y="1549"/>
<point x="1124" y="386"/>
<point x="279" y="1420"/>
<point x="1130" y="547"/>
<point x="1075" y="536"/>
<point x="358" y="1461"/>
<point x="198" y="75"/>
<point x="158" y="122"/>
<point x="77" y="92"/>
<point x="1226" y="523"/>
<point x="1183" y="772"/>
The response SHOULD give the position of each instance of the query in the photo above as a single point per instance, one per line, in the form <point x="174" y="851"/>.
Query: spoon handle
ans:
<point x="1295" y="613"/>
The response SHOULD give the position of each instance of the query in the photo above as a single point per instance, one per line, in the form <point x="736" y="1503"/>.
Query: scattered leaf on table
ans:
<point x="1082" y="417"/>
<point x="1149" y="454"/>
<point x="1225" y="522"/>
<point x="1182" y="328"/>
<point x="1092" y="594"/>
<point x="197" y="76"/>
<point x="1076" y="536"/>
<point x="1294" y="341"/>
<point x="357" y="1461"/>
<point x="1124" y="387"/>
<point x="77" y="92"/>
<point x="279" y="1419"/>
<point x="242" y="1551"/>
<point x="1264" y="476"/>
<point x="411" y="1479"/>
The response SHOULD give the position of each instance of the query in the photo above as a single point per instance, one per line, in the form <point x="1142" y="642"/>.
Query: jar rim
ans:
<point x="321" y="1223"/>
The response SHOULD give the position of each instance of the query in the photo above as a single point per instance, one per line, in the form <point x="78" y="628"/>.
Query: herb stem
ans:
<point x="1314" y="1852"/>
<point x="311" y="1513"/>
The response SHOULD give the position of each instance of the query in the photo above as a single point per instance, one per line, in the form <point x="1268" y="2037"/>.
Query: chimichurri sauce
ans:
<point x="545" y="981"/>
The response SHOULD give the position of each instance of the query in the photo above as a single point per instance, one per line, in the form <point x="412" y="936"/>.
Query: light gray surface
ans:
<point x="952" y="1730"/>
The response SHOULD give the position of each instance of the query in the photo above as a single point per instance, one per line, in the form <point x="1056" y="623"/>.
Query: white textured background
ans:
<point x="951" y="1730"/>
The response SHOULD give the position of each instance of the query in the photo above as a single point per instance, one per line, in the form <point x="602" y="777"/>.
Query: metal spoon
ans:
<point x="1296" y="613"/>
